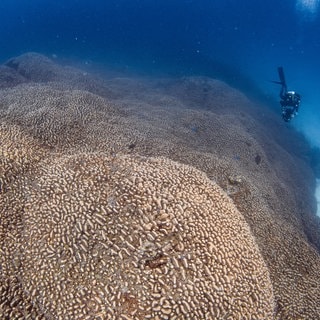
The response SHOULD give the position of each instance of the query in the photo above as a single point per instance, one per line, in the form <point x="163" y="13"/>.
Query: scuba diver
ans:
<point x="290" y="100"/>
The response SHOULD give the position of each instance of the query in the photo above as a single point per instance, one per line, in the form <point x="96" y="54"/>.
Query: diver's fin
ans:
<point x="281" y="76"/>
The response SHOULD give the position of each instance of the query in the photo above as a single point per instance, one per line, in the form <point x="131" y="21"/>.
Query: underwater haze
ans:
<point x="146" y="168"/>
<point x="241" y="43"/>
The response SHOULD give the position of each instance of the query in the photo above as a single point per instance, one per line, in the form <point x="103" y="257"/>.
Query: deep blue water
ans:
<point x="242" y="42"/>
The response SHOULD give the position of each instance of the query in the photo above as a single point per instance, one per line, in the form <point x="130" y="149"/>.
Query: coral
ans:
<point x="19" y="156"/>
<point x="132" y="237"/>
<point x="9" y="77"/>
<point x="196" y="121"/>
<point x="36" y="68"/>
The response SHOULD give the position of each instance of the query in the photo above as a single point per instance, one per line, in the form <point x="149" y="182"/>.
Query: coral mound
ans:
<point x="129" y="238"/>
<point x="88" y="193"/>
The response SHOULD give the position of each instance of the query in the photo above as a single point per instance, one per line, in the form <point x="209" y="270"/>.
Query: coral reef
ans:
<point x="129" y="237"/>
<point x="97" y="149"/>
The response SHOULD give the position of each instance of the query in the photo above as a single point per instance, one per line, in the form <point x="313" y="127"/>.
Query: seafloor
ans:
<point x="144" y="198"/>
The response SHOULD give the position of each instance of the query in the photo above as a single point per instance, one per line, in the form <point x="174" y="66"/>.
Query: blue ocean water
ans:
<point x="241" y="42"/>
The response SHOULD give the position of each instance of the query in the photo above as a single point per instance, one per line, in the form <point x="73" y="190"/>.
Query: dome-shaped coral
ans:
<point x="135" y="238"/>
<point x="196" y="121"/>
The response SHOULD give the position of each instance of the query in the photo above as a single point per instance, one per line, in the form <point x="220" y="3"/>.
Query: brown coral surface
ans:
<point x="90" y="225"/>
<point x="131" y="237"/>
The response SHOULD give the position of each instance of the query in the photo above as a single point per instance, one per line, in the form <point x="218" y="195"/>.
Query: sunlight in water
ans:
<point x="308" y="8"/>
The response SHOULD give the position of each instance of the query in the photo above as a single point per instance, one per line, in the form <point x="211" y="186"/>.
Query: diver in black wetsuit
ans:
<point x="290" y="100"/>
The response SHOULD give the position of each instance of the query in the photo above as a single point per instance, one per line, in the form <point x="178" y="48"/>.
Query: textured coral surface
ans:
<point x="98" y="223"/>
<point x="131" y="237"/>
